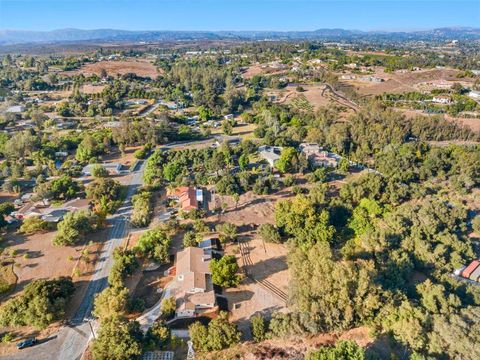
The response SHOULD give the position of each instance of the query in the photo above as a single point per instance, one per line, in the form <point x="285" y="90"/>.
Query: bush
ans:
<point x="42" y="302"/>
<point x="141" y="153"/>
<point x="34" y="225"/>
<point x="269" y="233"/>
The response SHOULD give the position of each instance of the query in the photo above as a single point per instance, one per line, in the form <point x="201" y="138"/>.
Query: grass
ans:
<point x="8" y="279"/>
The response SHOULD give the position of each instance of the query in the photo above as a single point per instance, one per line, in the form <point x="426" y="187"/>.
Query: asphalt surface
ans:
<point x="71" y="341"/>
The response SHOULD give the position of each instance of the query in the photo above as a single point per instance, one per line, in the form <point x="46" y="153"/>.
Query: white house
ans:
<point x="270" y="153"/>
<point x="112" y="168"/>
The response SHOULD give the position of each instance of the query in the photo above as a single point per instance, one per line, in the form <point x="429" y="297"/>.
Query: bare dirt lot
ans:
<point x="258" y="69"/>
<point x="399" y="82"/>
<point x="114" y="68"/>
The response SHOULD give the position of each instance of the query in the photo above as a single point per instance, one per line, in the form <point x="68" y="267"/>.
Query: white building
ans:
<point x="270" y="153"/>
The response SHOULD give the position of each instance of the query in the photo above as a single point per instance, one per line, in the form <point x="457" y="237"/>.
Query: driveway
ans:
<point x="148" y="318"/>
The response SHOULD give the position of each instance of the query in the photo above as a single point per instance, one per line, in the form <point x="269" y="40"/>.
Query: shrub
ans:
<point x="34" y="225"/>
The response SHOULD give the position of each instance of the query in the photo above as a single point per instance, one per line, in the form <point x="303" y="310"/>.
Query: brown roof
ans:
<point x="192" y="259"/>
<point x="187" y="197"/>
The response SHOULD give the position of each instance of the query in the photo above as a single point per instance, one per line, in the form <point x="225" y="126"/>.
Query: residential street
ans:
<point x="72" y="341"/>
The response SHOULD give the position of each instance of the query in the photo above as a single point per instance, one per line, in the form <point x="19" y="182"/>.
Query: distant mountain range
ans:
<point x="9" y="37"/>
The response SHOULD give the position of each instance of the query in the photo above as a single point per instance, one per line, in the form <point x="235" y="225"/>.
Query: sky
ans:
<point x="283" y="15"/>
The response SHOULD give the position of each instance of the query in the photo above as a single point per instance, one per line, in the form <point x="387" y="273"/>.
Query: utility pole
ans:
<point x="191" y="352"/>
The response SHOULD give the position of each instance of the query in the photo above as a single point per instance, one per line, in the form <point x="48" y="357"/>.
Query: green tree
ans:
<point x="288" y="161"/>
<point x="154" y="244"/>
<point x="117" y="339"/>
<point x="224" y="271"/>
<point x="269" y="233"/>
<point x="258" y="328"/>
<point x="168" y="306"/>
<point x="111" y="302"/>
<point x="343" y="350"/>
<point x="73" y="227"/>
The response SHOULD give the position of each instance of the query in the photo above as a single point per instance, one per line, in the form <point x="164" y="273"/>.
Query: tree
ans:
<point x="228" y="232"/>
<point x="190" y="239"/>
<point x="98" y="171"/>
<point x="41" y="303"/>
<point x="105" y="194"/>
<point x="73" y="227"/>
<point x="224" y="271"/>
<point x="34" y="225"/>
<point x="258" y="328"/>
<point x="142" y="209"/>
<point x="168" y="306"/>
<point x="269" y="233"/>
<point x="220" y="334"/>
<point x="117" y="339"/>
<point x="227" y="128"/>
<point x="154" y="244"/>
<point x="88" y="148"/>
<point x="343" y="350"/>
<point x="476" y="224"/>
<point x="124" y="263"/>
<point x="158" y="336"/>
<point x="288" y="161"/>
<point x="111" y="302"/>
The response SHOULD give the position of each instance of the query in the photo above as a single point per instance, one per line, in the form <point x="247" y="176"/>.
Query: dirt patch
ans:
<point x="292" y="348"/>
<point x="114" y="68"/>
<point x="92" y="89"/>
<point x="8" y="279"/>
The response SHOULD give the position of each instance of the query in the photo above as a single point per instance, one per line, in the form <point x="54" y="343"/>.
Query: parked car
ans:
<point x="26" y="343"/>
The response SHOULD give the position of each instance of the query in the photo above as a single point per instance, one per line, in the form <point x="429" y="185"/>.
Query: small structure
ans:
<point x="319" y="157"/>
<point x="195" y="293"/>
<point x="228" y="117"/>
<point x="270" y="153"/>
<point x="112" y="168"/>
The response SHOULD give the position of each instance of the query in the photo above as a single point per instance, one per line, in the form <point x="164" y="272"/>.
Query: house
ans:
<point x="195" y="293"/>
<point x="270" y="153"/>
<point x="112" y="168"/>
<point x="186" y="197"/>
<point x="319" y="157"/>
<point x="30" y="209"/>
<point x="16" y="109"/>
<point x="474" y="94"/>
<point x="442" y="99"/>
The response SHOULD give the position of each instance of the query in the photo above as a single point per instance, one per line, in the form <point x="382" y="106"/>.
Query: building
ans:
<point x="112" y="168"/>
<point x="194" y="294"/>
<point x="474" y="94"/>
<point x="228" y="117"/>
<point x="442" y="99"/>
<point x="270" y="153"/>
<point x="319" y="157"/>
<point x="16" y="109"/>
<point x="188" y="197"/>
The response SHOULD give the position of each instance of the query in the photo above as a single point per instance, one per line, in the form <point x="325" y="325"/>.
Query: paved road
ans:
<point x="71" y="342"/>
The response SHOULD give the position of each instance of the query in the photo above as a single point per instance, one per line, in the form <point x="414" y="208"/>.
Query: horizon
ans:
<point x="235" y="15"/>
